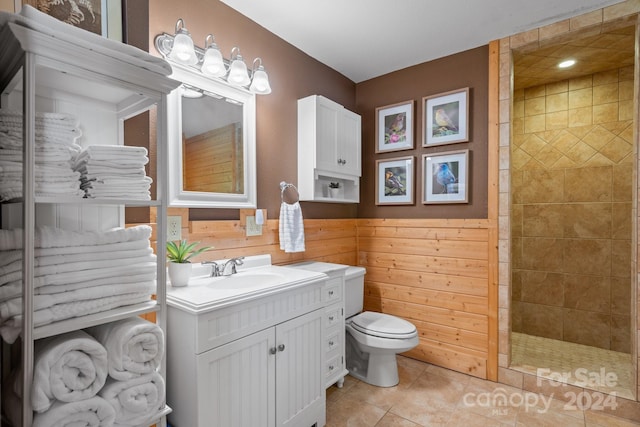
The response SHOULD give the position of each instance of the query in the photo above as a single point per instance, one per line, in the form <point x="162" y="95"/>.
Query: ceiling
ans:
<point x="363" y="39"/>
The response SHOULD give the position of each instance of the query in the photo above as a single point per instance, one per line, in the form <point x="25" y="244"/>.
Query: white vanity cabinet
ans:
<point x="334" y="342"/>
<point x="254" y="360"/>
<point x="329" y="150"/>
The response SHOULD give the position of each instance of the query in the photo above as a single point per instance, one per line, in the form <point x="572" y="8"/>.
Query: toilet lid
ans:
<point x="383" y="325"/>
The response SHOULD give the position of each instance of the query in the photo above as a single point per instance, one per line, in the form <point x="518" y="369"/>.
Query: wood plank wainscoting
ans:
<point x="433" y="272"/>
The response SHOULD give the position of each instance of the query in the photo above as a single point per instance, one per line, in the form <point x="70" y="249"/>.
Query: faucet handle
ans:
<point x="215" y="268"/>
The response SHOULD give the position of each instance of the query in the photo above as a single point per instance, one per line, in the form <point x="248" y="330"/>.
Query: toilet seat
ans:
<point x="383" y="325"/>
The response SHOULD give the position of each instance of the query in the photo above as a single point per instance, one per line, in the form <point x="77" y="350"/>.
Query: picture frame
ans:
<point x="394" y="127"/>
<point x="90" y="15"/>
<point x="395" y="181"/>
<point x="445" y="118"/>
<point x="445" y="177"/>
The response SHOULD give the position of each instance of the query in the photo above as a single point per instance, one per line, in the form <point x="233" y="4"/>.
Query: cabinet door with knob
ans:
<point x="269" y="378"/>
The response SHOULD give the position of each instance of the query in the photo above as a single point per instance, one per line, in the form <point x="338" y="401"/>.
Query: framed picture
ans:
<point x="446" y="118"/>
<point x="445" y="177"/>
<point x="394" y="127"/>
<point x="89" y="15"/>
<point x="394" y="181"/>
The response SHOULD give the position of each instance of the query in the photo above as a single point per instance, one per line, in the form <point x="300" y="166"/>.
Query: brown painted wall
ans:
<point x="465" y="69"/>
<point x="292" y="74"/>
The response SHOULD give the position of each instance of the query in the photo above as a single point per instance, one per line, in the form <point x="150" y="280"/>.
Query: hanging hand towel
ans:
<point x="291" y="227"/>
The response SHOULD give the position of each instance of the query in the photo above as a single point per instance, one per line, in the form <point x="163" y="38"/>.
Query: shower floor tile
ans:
<point x="589" y="367"/>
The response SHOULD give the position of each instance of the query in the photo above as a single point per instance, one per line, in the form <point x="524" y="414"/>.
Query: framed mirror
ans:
<point x="211" y="143"/>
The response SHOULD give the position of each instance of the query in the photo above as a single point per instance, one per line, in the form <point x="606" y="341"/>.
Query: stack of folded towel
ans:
<point x="55" y="146"/>
<point x="68" y="372"/>
<point x="135" y="389"/>
<point x="105" y="375"/>
<point x="75" y="274"/>
<point x="114" y="171"/>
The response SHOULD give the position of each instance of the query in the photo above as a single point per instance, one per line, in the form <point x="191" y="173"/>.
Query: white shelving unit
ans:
<point x="42" y="73"/>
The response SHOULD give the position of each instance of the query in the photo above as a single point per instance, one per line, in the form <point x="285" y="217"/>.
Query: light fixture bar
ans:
<point x="179" y="49"/>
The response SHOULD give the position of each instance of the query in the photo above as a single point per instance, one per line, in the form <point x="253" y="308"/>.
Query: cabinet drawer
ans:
<point x="333" y="366"/>
<point x="333" y="316"/>
<point x="334" y="339"/>
<point x="333" y="291"/>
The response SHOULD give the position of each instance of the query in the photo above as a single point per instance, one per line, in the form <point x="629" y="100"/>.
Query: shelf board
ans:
<point x="83" y="201"/>
<point x="94" y="319"/>
<point x="330" y="200"/>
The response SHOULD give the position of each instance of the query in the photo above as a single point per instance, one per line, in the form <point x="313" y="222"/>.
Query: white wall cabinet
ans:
<point x="329" y="150"/>
<point x="40" y="73"/>
<point x="258" y="362"/>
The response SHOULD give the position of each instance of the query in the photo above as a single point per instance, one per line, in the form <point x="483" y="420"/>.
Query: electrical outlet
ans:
<point x="253" y="229"/>
<point x="174" y="227"/>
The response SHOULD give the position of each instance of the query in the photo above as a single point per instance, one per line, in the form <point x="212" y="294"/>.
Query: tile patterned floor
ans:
<point x="431" y="396"/>
<point x="612" y="371"/>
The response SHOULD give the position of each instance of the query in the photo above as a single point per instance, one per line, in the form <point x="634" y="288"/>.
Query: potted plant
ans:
<point x="334" y="188"/>
<point x="178" y="255"/>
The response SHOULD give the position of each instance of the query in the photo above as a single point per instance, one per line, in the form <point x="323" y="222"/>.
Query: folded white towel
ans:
<point x="10" y="330"/>
<point x="136" y="401"/>
<point x="68" y="368"/>
<point x="134" y="346"/>
<point x="50" y="237"/>
<point x="93" y="412"/>
<point x="291" y="228"/>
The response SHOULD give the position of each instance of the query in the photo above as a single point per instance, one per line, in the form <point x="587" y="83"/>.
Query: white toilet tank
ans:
<point x="354" y="290"/>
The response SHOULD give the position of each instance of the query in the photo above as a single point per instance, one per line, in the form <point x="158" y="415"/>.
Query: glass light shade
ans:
<point x="238" y="74"/>
<point x="212" y="64"/>
<point x="182" y="50"/>
<point x="260" y="82"/>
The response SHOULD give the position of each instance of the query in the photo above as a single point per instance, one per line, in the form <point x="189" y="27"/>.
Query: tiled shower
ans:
<point x="571" y="175"/>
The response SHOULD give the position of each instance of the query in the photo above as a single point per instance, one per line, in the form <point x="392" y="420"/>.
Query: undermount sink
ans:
<point x="241" y="279"/>
<point x="255" y="277"/>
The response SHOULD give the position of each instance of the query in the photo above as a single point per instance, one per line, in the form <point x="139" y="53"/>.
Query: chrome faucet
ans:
<point x="233" y="262"/>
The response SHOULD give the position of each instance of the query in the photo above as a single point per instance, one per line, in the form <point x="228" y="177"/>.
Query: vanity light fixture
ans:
<point x="260" y="80"/>
<point x="179" y="48"/>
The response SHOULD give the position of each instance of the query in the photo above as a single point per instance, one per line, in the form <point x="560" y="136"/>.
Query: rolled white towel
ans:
<point x="92" y="412"/>
<point x="68" y="368"/>
<point x="136" y="401"/>
<point x="134" y="346"/>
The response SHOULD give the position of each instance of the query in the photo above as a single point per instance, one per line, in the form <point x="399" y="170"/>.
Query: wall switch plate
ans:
<point x="174" y="227"/>
<point x="253" y="229"/>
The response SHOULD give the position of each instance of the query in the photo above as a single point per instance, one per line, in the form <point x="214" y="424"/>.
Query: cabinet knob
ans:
<point x="331" y="318"/>
<point x="281" y="347"/>
<point x="272" y="350"/>
<point x="331" y="343"/>
<point x="342" y="162"/>
<point x="331" y="367"/>
<point x="330" y="293"/>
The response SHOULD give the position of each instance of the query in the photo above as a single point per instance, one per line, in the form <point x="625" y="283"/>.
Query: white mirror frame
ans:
<point x="178" y="197"/>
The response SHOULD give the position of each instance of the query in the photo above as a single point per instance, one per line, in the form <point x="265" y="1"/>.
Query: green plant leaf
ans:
<point x="182" y="252"/>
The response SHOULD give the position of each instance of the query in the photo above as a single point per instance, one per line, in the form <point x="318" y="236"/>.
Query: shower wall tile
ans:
<point x="621" y="333"/>
<point x="580" y="116"/>
<point x="620" y="296"/>
<point x="605" y="113"/>
<point x="542" y="220"/>
<point x="605" y="93"/>
<point x="534" y="106"/>
<point x="542" y="288"/>
<point x="541" y="320"/>
<point x="587" y="327"/>
<point x="557" y="100"/>
<point x="539" y="253"/>
<point x="586" y="220"/>
<point x="588" y="184"/>
<point x="582" y="82"/>
<point x="620" y="221"/>
<point x="579" y="98"/>
<point x="592" y="293"/>
<point x="587" y="256"/>
<point x="622" y="185"/>
<point x="543" y="186"/>
<point x="621" y="258"/>
<point x="556" y="120"/>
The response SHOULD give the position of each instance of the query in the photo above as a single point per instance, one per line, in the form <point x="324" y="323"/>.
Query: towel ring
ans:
<point x="288" y="193"/>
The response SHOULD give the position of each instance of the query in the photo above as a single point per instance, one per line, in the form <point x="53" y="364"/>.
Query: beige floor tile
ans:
<point x="550" y="418"/>
<point x="391" y="420"/>
<point x="346" y="412"/>
<point x="600" y="419"/>
<point x="469" y="419"/>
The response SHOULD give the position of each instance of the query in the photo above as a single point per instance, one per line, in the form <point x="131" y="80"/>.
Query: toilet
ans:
<point x="373" y="339"/>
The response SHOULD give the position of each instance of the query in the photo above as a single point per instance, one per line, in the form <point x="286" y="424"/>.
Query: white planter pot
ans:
<point x="179" y="274"/>
<point x="334" y="192"/>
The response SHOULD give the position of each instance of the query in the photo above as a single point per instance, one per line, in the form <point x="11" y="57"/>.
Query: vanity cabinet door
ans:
<point x="300" y="396"/>
<point x="236" y="382"/>
<point x="349" y="142"/>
